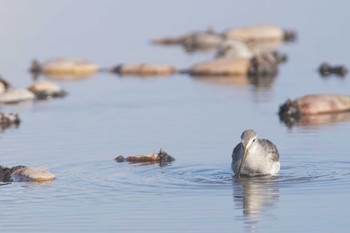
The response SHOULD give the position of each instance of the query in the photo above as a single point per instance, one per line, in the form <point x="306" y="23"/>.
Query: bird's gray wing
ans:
<point x="270" y="148"/>
<point x="235" y="153"/>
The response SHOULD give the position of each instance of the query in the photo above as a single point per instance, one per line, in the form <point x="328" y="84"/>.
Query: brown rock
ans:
<point x="45" y="89"/>
<point x="292" y="111"/>
<point x="144" y="69"/>
<point x="221" y="67"/>
<point x="32" y="174"/>
<point x="259" y="33"/>
<point x="65" y="67"/>
<point x="201" y="40"/>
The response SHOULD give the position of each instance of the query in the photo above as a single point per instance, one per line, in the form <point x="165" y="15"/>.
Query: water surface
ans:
<point x="195" y="120"/>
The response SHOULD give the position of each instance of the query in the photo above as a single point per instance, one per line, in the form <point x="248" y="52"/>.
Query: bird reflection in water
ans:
<point x="255" y="196"/>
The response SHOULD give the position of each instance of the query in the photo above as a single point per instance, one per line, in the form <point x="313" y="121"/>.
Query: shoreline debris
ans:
<point x="162" y="157"/>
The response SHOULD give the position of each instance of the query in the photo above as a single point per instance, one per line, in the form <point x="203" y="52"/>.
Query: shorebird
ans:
<point x="253" y="156"/>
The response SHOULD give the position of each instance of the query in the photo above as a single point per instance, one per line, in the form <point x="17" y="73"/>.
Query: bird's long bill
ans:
<point x="242" y="161"/>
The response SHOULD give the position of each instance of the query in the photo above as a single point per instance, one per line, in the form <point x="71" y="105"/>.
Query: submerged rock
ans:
<point x="23" y="173"/>
<point x="327" y="70"/>
<point x="45" y="90"/>
<point x="292" y="111"/>
<point x="260" y="33"/>
<point x="65" y="68"/>
<point x="203" y="40"/>
<point x="6" y="120"/>
<point x="143" y="69"/>
<point x="161" y="157"/>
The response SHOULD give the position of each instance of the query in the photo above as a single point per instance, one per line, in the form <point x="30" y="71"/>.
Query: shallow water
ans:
<point x="198" y="121"/>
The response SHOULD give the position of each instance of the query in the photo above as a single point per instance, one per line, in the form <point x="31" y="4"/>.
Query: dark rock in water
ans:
<point x="43" y="95"/>
<point x="162" y="158"/>
<point x="327" y="70"/>
<point x="5" y="173"/>
<point x="7" y="120"/>
<point x="264" y="65"/>
<point x="35" y="67"/>
<point x="289" y="36"/>
<point x="120" y="159"/>
<point x="289" y="113"/>
<point x="279" y="57"/>
<point x="289" y="109"/>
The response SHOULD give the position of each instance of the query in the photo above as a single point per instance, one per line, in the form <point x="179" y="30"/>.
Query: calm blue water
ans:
<point x="197" y="121"/>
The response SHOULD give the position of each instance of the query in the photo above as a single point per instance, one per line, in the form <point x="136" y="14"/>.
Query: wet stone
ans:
<point x="24" y="173"/>
<point x="292" y="110"/>
<point x="265" y="64"/>
<point x="45" y="90"/>
<point x="6" y="120"/>
<point x="326" y="70"/>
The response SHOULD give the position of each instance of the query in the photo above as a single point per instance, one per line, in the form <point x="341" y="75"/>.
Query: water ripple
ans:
<point x="133" y="179"/>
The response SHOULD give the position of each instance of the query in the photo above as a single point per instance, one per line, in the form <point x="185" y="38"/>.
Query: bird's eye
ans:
<point x="253" y="140"/>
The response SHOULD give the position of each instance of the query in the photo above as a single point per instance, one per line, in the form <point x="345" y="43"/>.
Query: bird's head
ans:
<point x="248" y="138"/>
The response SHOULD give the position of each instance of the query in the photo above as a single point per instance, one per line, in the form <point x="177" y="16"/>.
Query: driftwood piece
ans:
<point x="161" y="157"/>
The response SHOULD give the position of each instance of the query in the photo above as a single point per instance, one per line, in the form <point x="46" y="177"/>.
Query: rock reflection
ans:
<point x="259" y="82"/>
<point x="255" y="196"/>
<point x="316" y="120"/>
<point x="63" y="77"/>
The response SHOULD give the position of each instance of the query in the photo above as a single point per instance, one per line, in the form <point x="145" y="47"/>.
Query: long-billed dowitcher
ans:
<point x="253" y="156"/>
